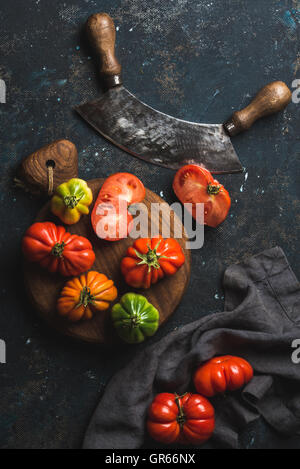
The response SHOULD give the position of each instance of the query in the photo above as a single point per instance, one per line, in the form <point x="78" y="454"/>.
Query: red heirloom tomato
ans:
<point x="111" y="220"/>
<point x="149" y="260"/>
<point x="222" y="374"/>
<point x="124" y="186"/>
<point x="110" y="217"/>
<point x="56" y="250"/>
<point x="188" y="419"/>
<point x="195" y="185"/>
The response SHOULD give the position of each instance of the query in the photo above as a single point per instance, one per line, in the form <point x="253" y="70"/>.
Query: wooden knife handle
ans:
<point x="102" y="34"/>
<point x="270" y="100"/>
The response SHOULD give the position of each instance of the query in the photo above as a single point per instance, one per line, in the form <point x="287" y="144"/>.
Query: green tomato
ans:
<point x="135" y="318"/>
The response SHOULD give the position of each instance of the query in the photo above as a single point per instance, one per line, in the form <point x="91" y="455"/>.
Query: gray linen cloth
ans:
<point x="260" y="323"/>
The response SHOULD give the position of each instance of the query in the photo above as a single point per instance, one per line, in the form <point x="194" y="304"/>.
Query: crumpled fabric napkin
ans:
<point x="260" y="323"/>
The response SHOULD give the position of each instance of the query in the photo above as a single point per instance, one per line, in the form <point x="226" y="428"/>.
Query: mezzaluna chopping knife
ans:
<point x="156" y="137"/>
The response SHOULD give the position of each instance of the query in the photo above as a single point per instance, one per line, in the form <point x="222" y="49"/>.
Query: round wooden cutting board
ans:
<point x="44" y="288"/>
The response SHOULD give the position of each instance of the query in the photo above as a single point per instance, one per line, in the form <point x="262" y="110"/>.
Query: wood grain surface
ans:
<point x="271" y="99"/>
<point x="43" y="288"/>
<point x="102" y="34"/>
<point x="61" y="156"/>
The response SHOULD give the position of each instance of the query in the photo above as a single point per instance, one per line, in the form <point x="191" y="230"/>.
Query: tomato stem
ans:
<point x="85" y="297"/>
<point x="58" y="249"/>
<point x="71" y="201"/>
<point x="135" y="321"/>
<point x="181" y="419"/>
<point x="213" y="189"/>
<point x="151" y="258"/>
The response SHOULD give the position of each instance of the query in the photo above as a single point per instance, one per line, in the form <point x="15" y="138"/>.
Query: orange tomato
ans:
<point x="82" y="296"/>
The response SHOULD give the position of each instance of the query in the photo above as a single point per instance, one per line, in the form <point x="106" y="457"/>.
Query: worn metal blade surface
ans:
<point x="158" y="138"/>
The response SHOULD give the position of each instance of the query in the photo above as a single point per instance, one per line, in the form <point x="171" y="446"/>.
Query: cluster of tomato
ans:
<point x="172" y="418"/>
<point x="190" y="419"/>
<point x="192" y="184"/>
<point x="147" y="261"/>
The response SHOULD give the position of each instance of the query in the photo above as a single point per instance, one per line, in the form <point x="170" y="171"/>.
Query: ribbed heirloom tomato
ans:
<point x="71" y="200"/>
<point x="82" y="296"/>
<point x="134" y="318"/>
<point x="56" y="250"/>
<point x="195" y="185"/>
<point x="181" y="419"/>
<point x="149" y="260"/>
<point x="222" y="374"/>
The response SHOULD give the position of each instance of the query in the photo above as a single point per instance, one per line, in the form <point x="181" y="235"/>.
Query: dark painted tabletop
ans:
<point x="195" y="59"/>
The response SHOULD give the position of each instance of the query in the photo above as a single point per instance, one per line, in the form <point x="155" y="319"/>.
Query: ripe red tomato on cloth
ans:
<point x="57" y="250"/>
<point x="222" y="374"/>
<point x="188" y="419"/>
<point x="110" y="217"/>
<point x="149" y="260"/>
<point x="195" y="185"/>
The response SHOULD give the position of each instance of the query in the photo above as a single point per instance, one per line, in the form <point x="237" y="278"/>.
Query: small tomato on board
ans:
<point x="149" y="260"/>
<point x="111" y="220"/>
<point x="123" y="186"/>
<point x="56" y="250"/>
<point x="71" y="200"/>
<point x="195" y="185"/>
<point x="187" y="419"/>
<point x="110" y="217"/>
<point x="222" y="374"/>
<point x="82" y="296"/>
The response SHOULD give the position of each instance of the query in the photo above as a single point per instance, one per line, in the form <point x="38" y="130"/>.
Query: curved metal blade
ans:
<point x="158" y="138"/>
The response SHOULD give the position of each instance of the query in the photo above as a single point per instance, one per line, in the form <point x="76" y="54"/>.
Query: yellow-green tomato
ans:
<point x="71" y="200"/>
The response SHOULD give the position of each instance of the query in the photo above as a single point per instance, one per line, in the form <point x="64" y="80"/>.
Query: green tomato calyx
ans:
<point x="181" y="418"/>
<point x="58" y="249"/>
<point x="213" y="189"/>
<point x="135" y="321"/>
<point x="151" y="259"/>
<point x="85" y="297"/>
<point x="71" y="201"/>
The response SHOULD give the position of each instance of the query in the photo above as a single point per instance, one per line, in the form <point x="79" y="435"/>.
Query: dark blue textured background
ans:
<point x="195" y="59"/>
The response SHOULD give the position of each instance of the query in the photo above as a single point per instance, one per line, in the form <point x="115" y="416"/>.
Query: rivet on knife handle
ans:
<point x="270" y="100"/>
<point x="102" y="33"/>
